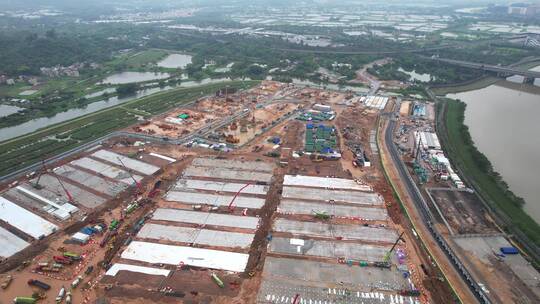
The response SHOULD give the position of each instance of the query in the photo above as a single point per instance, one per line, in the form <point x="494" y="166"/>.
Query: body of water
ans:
<point x="504" y="124"/>
<point x="6" y="110"/>
<point x="35" y="124"/>
<point x="175" y="61"/>
<point x="416" y="76"/>
<point x="129" y="77"/>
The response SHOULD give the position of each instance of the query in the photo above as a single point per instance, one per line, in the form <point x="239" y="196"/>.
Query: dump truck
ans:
<point x="62" y="259"/>
<point x="114" y="225"/>
<point x="39" y="284"/>
<point x="24" y="300"/>
<point x="6" y="282"/>
<point x="72" y="255"/>
<point x="61" y="295"/>
<point x="217" y="280"/>
<point x="68" y="297"/>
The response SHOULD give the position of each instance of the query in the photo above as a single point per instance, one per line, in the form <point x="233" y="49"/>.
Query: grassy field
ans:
<point x="462" y="152"/>
<point x="28" y="149"/>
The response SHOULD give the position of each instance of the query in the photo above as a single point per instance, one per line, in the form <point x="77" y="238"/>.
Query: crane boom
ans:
<point x="236" y="195"/>
<point x="131" y="175"/>
<point x="70" y="198"/>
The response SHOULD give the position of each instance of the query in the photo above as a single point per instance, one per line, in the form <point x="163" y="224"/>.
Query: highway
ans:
<point x="425" y="212"/>
<point x="486" y="67"/>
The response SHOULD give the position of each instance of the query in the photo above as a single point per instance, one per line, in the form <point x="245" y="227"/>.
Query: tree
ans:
<point x="127" y="89"/>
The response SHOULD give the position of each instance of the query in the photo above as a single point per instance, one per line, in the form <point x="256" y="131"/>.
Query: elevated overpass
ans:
<point x="503" y="71"/>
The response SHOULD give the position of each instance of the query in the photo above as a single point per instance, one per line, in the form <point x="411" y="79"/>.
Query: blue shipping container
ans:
<point x="509" y="250"/>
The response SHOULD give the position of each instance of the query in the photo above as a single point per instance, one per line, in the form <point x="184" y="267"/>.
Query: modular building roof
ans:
<point x="25" y="220"/>
<point x="176" y="255"/>
<point x="10" y="243"/>
<point x="321" y="194"/>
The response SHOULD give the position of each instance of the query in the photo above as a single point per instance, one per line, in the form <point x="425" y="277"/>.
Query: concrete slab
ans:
<point x="53" y="190"/>
<point x="483" y="247"/>
<point x="214" y="219"/>
<point x="288" y="206"/>
<point x="351" y="232"/>
<point x="233" y="164"/>
<point x="214" y="199"/>
<point x="320" y="194"/>
<point x="326" y="273"/>
<point x="176" y="255"/>
<point x="196" y="236"/>
<point x="283" y="291"/>
<point x="324" y="182"/>
<point x="229" y="174"/>
<point x="121" y="160"/>
<point x="10" y="243"/>
<point x="328" y="249"/>
<point x="185" y="184"/>
<point x="102" y="185"/>
<point x="106" y="170"/>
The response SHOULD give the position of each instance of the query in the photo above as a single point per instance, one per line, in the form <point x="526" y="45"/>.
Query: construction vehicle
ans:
<point x="140" y="190"/>
<point x="76" y="282"/>
<point x="114" y="225"/>
<point x="231" y="207"/>
<point x="68" y="297"/>
<point x="61" y="294"/>
<point x="62" y="260"/>
<point x="389" y="253"/>
<point x="217" y="280"/>
<point x="36" y="185"/>
<point x="72" y="256"/>
<point x="39" y="284"/>
<point x="24" y="300"/>
<point x="68" y="195"/>
<point x="321" y="215"/>
<point x="6" y="282"/>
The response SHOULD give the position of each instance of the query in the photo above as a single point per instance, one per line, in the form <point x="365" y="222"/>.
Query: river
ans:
<point x="504" y="124"/>
<point x="38" y="123"/>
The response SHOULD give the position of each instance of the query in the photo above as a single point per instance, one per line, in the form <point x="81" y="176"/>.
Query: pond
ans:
<point x="129" y="77"/>
<point x="175" y="61"/>
<point x="416" y="76"/>
<point x="6" y="110"/>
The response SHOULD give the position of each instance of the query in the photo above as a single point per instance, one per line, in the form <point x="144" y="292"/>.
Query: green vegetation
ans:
<point x="475" y="165"/>
<point x="127" y="89"/>
<point x="28" y="149"/>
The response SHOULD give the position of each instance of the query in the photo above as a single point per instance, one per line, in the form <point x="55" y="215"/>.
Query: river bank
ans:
<point x="476" y="168"/>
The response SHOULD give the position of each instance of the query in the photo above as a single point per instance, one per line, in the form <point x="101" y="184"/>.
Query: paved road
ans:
<point x="425" y="212"/>
<point x="487" y="67"/>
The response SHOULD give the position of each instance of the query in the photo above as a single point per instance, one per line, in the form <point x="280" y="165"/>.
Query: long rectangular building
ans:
<point x="176" y="255"/>
<point x="10" y="243"/>
<point x="25" y="220"/>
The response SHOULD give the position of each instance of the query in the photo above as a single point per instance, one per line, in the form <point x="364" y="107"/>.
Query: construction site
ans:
<point x="184" y="215"/>
<point x="460" y="216"/>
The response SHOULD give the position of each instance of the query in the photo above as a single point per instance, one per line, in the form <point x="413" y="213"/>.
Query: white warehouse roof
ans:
<point x="25" y="220"/>
<point x="175" y="255"/>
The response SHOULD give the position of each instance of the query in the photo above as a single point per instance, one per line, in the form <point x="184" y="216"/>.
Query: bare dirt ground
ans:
<point x="194" y="285"/>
